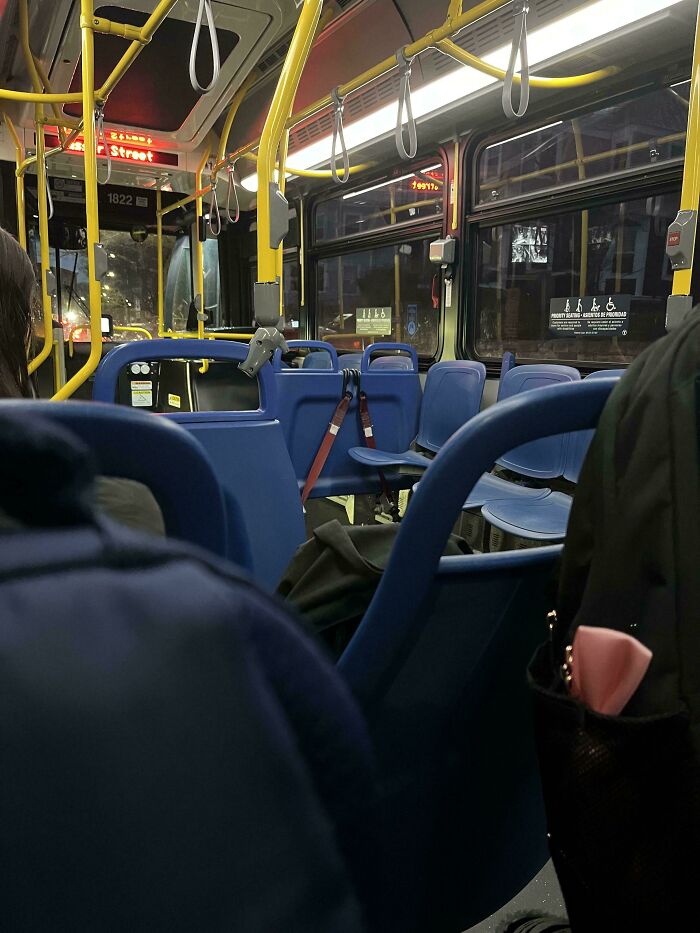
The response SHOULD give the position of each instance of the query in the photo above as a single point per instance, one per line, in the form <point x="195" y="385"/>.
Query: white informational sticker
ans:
<point x="448" y="293"/>
<point x="174" y="401"/>
<point x="141" y="393"/>
<point x="141" y="201"/>
<point x="374" y="321"/>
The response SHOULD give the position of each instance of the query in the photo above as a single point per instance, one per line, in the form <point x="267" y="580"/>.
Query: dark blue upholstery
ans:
<point x="403" y="356"/>
<point x="322" y="354"/>
<point x="134" y="445"/>
<point x="507" y="363"/>
<point x="438" y="664"/>
<point x="350" y="360"/>
<point x="247" y="451"/>
<point x="453" y="392"/>
<point x="317" y="359"/>
<point x="307" y="399"/>
<point x="545" y="518"/>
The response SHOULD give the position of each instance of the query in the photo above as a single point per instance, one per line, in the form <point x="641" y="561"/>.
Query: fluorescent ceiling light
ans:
<point x="591" y="22"/>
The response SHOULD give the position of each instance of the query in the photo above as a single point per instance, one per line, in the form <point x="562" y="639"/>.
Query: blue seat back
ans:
<point x="131" y="444"/>
<point x="317" y="359"/>
<point x="507" y="363"/>
<point x="402" y="356"/>
<point x="350" y="360"/>
<point x="546" y="458"/>
<point x="438" y="664"/>
<point x="307" y="399"/>
<point x="580" y="441"/>
<point x="453" y="392"/>
<point x="246" y="449"/>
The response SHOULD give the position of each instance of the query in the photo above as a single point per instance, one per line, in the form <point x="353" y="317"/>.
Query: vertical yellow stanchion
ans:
<point x="45" y="254"/>
<point x="91" y="204"/>
<point x="159" y="247"/>
<point x="682" y="231"/>
<point x="282" y="162"/>
<point x="199" y="246"/>
<point x="19" y="185"/>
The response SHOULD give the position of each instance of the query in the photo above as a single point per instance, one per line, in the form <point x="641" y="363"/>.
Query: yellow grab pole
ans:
<point x="311" y="172"/>
<point x="159" y="247"/>
<point x="455" y="186"/>
<point x="45" y="254"/>
<point x="199" y="246"/>
<point x="129" y="329"/>
<point x="280" y="108"/>
<point x="282" y="181"/>
<point x="466" y="58"/>
<point x="302" y="257"/>
<point x="91" y="205"/>
<point x="234" y="107"/>
<point x="19" y="185"/>
<point x="690" y="192"/>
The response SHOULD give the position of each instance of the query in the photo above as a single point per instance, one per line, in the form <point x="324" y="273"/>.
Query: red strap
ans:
<point x="324" y="450"/>
<point x="368" y="434"/>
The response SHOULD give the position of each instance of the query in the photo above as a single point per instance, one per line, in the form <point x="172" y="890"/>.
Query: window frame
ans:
<point x="419" y="229"/>
<point x="646" y="181"/>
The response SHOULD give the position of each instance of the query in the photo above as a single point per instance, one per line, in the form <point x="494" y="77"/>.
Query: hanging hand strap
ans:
<point x="205" y="7"/>
<point x="334" y="427"/>
<point x="214" y="210"/>
<point x="232" y="188"/>
<point x="101" y="135"/>
<point x="339" y="137"/>
<point x="49" y="196"/>
<point x="519" y="46"/>
<point x="368" y="434"/>
<point x="405" y="108"/>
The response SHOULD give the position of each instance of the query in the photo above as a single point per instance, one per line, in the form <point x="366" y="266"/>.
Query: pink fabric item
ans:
<point x="606" y="668"/>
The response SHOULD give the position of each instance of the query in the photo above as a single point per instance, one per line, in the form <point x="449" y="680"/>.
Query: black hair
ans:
<point x="18" y="291"/>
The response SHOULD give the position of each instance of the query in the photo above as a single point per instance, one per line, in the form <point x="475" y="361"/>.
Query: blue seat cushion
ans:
<point x="495" y="487"/>
<point x="543" y="519"/>
<point x="382" y="458"/>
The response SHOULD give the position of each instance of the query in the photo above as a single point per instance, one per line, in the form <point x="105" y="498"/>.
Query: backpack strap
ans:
<point x="368" y="435"/>
<point x="334" y="427"/>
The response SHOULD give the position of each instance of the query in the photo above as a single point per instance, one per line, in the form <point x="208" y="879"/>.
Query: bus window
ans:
<point x="379" y="294"/>
<point x="408" y="199"/>
<point x="634" y="134"/>
<point x="578" y="285"/>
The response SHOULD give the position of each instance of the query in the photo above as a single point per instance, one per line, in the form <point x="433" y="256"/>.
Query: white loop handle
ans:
<point x="205" y="8"/>
<point x="214" y="210"/>
<point x="519" y="46"/>
<point x="405" y="107"/>
<point x="102" y="135"/>
<point x="232" y="187"/>
<point x="49" y="198"/>
<point x="339" y="137"/>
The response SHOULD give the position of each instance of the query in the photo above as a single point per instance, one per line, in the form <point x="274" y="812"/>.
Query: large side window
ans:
<point x="580" y="275"/>
<point x="380" y="286"/>
<point x="580" y="285"/>
<point x="378" y="295"/>
<point x="635" y="134"/>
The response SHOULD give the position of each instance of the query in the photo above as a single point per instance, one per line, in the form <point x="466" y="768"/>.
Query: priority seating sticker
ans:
<point x="597" y="316"/>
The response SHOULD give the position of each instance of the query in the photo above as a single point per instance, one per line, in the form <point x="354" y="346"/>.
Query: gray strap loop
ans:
<point x="205" y="8"/>
<point x="214" y="210"/>
<point x="519" y="46"/>
<point x="405" y="107"/>
<point x="101" y="135"/>
<point x="232" y="188"/>
<point x="339" y="137"/>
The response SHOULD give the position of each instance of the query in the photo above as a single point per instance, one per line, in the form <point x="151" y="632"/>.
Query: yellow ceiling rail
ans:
<point x="466" y="58"/>
<point x="19" y="185"/>
<point x="236" y="102"/>
<point x="309" y="172"/>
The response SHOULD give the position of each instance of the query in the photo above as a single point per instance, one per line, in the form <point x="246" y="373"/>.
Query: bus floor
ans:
<point x="541" y="896"/>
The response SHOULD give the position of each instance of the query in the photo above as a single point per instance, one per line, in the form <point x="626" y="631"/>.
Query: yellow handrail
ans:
<point x="690" y="192"/>
<point x="19" y="185"/>
<point x="234" y="107"/>
<point x="133" y="329"/>
<point x="466" y="58"/>
<point x="45" y="254"/>
<point x="278" y="115"/>
<point x="91" y="204"/>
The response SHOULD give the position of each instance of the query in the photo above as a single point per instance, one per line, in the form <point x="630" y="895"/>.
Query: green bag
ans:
<point x="332" y="577"/>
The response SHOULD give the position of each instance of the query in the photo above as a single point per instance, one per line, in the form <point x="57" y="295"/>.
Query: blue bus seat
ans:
<point x="543" y="459"/>
<point x="307" y="399"/>
<point x="507" y="363"/>
<point x="438" y="665"/>
<point x="546" y="518"/>
<point x="453" y="392"/>
<point x="400" y="356"/>
<point x="322" y="355"/>
<point x="246" y="449"/>
<point x="131" y="444"/>
<point x="392" y="362"/>
<point x="317" y="359"/>
<point x="350" y="360"/>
